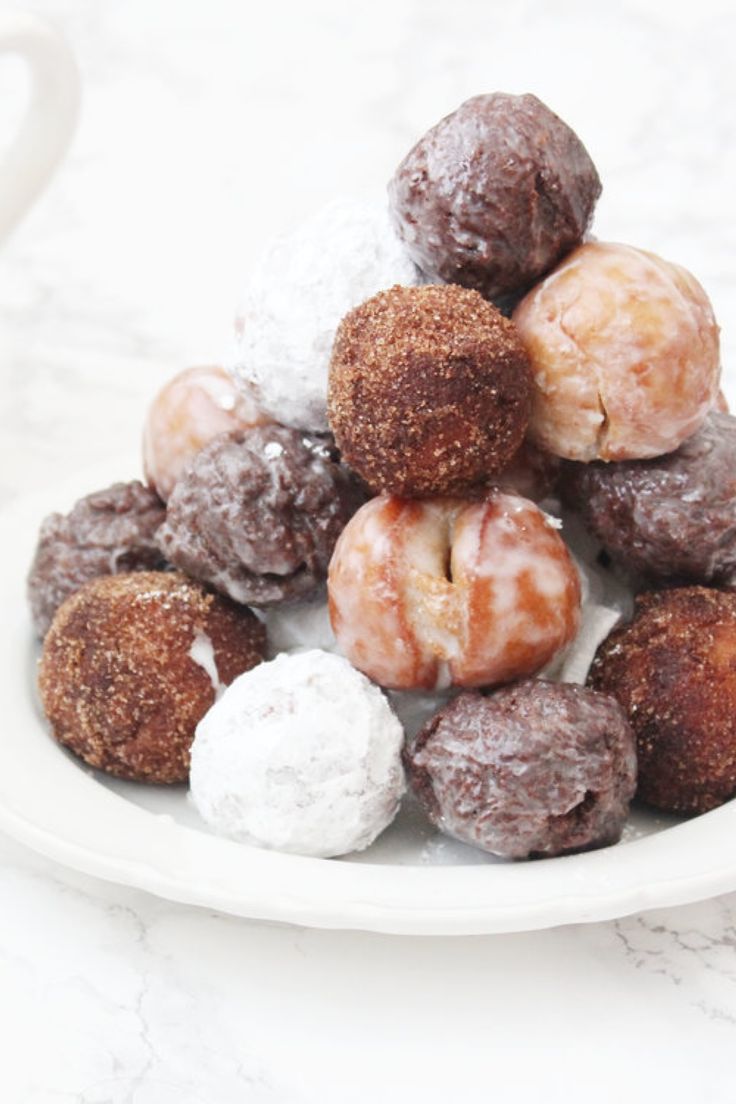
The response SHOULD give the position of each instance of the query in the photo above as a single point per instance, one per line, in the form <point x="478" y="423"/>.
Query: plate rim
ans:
<point x="241" y="880"/>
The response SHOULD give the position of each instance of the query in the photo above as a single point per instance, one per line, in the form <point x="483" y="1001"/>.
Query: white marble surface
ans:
<point x="206" y="126"/>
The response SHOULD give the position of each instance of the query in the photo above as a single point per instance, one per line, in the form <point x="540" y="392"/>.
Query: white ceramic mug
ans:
<point x="50" y="118"/>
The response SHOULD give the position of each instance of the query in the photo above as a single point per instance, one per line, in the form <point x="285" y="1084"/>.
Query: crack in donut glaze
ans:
<point x="425" y="594"/>
<point x="618" y="333"/>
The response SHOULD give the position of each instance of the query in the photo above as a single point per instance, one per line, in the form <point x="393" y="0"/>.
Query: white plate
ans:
<point x="411" y="881"/>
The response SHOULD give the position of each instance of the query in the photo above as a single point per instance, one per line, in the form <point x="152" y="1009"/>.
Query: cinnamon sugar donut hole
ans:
<point x="673" y="668"/>
<point x="624" y="353"/>
<point x="429" y="390"/>
<point x="426" y="594"/>
<point x="132" y="663"/>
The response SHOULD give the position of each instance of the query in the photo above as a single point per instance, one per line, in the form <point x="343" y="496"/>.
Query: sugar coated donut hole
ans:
<point x="132" y="663"/>
<point x="187" y="413"/>
<point x="429" y="390"/>
<point x="302" y="754"/>
<point x="624" y="353"/>
<point x="424" y="594"/>
<point x="673" y="668"/>
<point x="296" y="294"/>
<point x="534" y="769"/>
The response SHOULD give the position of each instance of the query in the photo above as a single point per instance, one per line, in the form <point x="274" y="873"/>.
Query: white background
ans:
<point x="206" y="127"/>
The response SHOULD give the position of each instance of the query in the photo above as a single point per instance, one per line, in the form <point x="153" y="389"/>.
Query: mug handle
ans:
<point x="50" y="118"/>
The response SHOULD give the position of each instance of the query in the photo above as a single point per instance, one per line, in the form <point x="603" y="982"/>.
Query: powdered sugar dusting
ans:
<point x="301" y="754"/>
<point x="297" y="295"/>
<point x="272" y="450"/>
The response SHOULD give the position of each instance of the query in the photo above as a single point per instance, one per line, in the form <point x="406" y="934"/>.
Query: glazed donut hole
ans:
<point x="256" y="514"/>
<point x="530" y="770"/>
<point x="624" y="353"/>
<point x="189" y="411"/>
<point x="494" y="195"/>
<point x="670" y="519"/>
<point x="673" y="668"/>
<point x="426" y="594"/>
<point x="108" y="532"/>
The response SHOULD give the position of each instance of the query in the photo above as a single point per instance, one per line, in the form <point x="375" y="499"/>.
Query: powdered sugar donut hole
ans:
<point x="295" y="298"/>
<point x="305" y="758"/>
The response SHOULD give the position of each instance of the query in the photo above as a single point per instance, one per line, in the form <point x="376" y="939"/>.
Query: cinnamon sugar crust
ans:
<point x="430" y="390"/>
<point x="673" y="668"/>
<point x="133" y="662"/>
